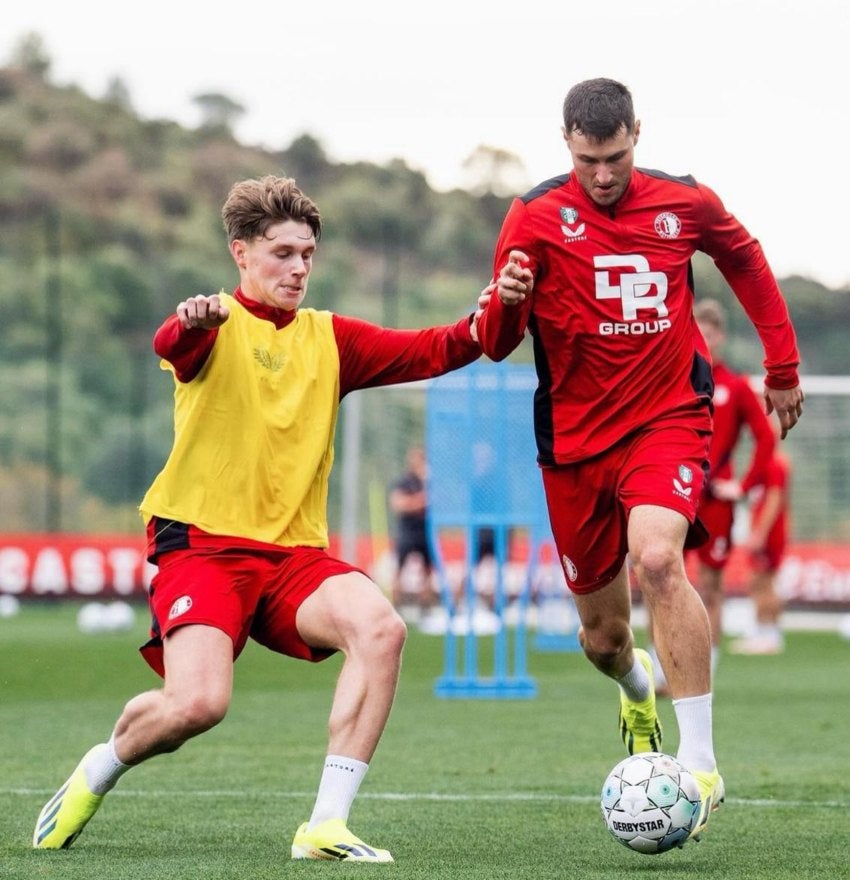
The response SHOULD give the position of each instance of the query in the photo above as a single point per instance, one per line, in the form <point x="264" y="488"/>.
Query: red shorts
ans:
<point x="242" y="591"/>
<point x="589" y="502"/>
<point x="717" y="516"/>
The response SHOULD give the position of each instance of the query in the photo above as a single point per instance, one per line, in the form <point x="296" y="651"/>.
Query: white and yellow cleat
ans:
<point x="331" y="840"/>
<point x="712" y="793"/>
<point x="65" y="815"/>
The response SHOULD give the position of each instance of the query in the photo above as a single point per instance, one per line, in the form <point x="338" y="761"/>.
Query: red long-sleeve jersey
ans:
<point x="736" y="407"/>
<point x="369" y="355"/>
<point x="615" y="343"/>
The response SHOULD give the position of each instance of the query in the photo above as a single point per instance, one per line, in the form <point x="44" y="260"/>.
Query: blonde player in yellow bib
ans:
<point x="237" y="520"/>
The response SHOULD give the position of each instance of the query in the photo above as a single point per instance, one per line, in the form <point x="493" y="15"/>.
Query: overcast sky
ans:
<point x="749" y="96"/>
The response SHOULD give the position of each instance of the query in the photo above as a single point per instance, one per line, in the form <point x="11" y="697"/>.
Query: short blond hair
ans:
<point x="710" y="311"/>
<point x="253" y="206"/>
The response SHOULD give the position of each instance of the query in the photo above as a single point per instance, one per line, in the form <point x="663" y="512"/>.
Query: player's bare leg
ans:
<point x="606" y="632"/>
<point x="349" y="613"/>
<point x="681" y="629"/>
<point x="682" y="639"/>
<point x="195" y="696"/>
<point x="768" y="637"/>
<point x="606" y="636"/>
<point x="710" y="588"/>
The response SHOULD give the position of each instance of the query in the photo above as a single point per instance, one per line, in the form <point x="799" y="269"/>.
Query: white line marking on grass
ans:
<point x="544" y="797"/>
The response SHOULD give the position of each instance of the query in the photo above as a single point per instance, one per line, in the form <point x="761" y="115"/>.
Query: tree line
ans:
<point x="109" y="219"/>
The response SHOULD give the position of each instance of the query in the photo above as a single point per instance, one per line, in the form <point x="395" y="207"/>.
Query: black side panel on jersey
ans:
<point x="542" y="188"/>
<point x="685" y="179"/>
<point x="702" y="380"/>
<point x="544" y="432"/>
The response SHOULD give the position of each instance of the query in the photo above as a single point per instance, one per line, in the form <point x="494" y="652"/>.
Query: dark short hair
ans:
<point x="252" y="206"/>
<point x="598" y="109"/>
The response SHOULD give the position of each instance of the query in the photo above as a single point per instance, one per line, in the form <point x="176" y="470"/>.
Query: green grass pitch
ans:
<point x="458" y="789"/>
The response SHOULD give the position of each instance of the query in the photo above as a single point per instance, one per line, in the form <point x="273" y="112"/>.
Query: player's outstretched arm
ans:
<point x="788" y="403"/>
<point x="202" y="312"/>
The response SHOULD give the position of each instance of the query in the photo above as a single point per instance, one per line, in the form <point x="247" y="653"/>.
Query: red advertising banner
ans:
<point x="814" y="574"/>
<point x="73" y="566"/>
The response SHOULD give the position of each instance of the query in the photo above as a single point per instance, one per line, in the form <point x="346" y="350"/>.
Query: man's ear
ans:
<point x="237" y="250"/>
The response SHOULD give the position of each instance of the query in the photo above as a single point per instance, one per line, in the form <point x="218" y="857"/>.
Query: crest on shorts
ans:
<point x="569" y="568"/>
<point x="180" y="606"/>
<point x="681" y="485"/>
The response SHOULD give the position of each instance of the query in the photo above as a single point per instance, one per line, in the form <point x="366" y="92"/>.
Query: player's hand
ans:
<point x="202" y="312"/>
<point x="788" y="404"/>
<point x="727" y="490"/>
<point x="515" y="280"/>
<point x="483" y="298"/>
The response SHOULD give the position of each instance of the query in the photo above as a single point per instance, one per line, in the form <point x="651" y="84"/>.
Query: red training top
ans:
<point x="615" y="343"/>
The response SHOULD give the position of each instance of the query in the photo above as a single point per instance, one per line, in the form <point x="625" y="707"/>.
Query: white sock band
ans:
<point x="103" y="768"/>
<point x="635" y="683"/>
<point x="696" y="742"/>
<point x="341" y="779"/>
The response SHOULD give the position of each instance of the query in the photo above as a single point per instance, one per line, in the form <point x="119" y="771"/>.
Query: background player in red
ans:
<point x="769" y="530"/>
<point x="596" y="265"/>
<point x="736" y="408"/>
<point x="237" y="518"/>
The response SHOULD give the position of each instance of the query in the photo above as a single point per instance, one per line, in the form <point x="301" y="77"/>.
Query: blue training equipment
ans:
<point x="482" y="474"/>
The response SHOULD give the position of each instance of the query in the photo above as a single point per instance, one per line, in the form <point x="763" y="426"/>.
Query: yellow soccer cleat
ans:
<point x="65" y="815"/>
<point x="712" y="793"/>
<point x="333" y="841"/>
<point x="639" y="724"/>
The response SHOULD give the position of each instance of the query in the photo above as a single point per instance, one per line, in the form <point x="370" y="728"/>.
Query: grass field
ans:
<point x="460" y="789"/>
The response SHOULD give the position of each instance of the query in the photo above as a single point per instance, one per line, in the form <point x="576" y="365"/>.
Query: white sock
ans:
<point x="103" y="768"/>
<point x="768" y="631"/>
<point x="635" y="683"/>
<point x="696" y="743"/>
<point x="341" y="779"/>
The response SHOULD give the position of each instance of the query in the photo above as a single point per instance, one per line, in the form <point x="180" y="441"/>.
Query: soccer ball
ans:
<point x="650" y="802"/>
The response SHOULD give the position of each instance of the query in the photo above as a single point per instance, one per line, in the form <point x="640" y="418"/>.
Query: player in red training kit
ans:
<point x="736" y="407"/>
<point x="769" y="528"/>
<point x="596" y="265"/>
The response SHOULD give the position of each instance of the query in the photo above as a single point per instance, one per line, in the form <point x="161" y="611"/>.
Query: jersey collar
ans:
<point x="279" y="317"/>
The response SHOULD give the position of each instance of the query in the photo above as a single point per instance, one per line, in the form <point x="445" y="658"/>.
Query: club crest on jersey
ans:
<point x="668" y="225"/>
<point x="569" y="215"/>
